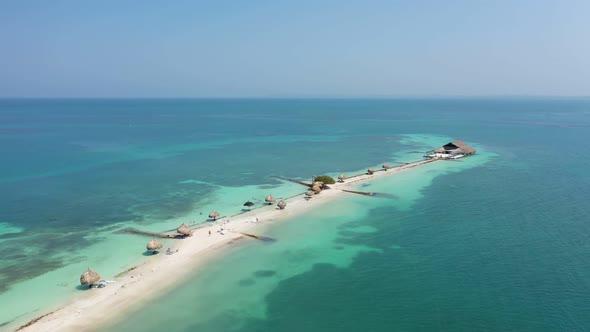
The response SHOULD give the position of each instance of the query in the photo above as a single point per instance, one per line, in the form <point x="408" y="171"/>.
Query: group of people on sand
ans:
<point x="220" y="230"/>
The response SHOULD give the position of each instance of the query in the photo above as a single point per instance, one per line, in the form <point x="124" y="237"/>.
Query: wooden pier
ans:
<point x="366" y="193"/>
<point x="258" y="237"/>
<point x="151" y="234"/>
<point x="309" y="185"/>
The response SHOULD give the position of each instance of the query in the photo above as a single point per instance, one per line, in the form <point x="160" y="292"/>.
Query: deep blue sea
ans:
<point x="494" y="242"/>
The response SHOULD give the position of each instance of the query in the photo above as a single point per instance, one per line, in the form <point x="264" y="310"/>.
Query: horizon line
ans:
<point x="303" y="97"/>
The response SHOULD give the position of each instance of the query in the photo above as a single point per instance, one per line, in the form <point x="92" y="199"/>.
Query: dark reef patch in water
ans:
<point x="264" y="273"/>
<point x="246" y="282"/>
<point x="268" y="186"/>
<point x="46" y="252"/>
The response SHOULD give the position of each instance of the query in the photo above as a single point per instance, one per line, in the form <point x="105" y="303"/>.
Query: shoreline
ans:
<point x="157" y="274"/>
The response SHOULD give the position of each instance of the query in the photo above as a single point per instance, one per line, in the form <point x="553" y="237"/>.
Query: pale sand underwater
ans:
<point x="162" y="272"/>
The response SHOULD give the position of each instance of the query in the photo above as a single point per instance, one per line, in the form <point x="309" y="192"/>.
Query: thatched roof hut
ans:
<point x="316" y="189"/>
<point x="270" y="199"/>
<point x="213" y="215"/>
<point x="386" y="166"/>
<point x="281" y="204"/>
<point x="370" y="171"/>
<point x="341" y="177"/>
<point x="184" y="230"/>
<point x="458" y="147"/>
<point x="89" y="277"/>
<point x="154" y="245"/>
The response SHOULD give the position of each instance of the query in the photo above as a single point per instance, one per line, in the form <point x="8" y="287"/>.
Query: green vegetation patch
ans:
<point x="325" y="179"/>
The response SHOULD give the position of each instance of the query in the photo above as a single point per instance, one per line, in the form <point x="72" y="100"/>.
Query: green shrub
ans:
<point x="325" y="179"/>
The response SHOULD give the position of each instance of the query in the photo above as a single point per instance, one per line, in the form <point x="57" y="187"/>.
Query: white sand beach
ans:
<point x="159" y="273"/>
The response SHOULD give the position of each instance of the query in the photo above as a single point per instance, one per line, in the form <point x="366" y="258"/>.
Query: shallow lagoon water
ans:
<point x="233" y="289"/>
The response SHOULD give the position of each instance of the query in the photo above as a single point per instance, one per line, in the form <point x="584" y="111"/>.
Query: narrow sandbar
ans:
<point x="160" y="273"/>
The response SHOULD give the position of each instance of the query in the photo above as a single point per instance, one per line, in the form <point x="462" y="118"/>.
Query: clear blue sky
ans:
<point x="53" y="48"/>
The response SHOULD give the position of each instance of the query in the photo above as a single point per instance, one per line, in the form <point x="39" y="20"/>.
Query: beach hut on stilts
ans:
<point x="451" y="150"/>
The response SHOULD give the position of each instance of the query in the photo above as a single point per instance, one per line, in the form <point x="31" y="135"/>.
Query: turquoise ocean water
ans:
<point x="494" y="242"/>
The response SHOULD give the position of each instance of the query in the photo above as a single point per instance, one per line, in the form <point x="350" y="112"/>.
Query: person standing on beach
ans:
<point x="209" y="232"/>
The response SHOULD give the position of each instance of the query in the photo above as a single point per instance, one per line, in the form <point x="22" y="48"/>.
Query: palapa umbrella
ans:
<point x="184" y="230"/>
<point x="341" y="177"/>
<point x="89" y="277"/>
<point x="270" y="199"/>
<point x="370" y="171"/>
<point x="316" y="189"/>
<point x="318" y="183"/>
<point x="281" y="204"/>
<point x="154" y="245"/>
<point x="214" y="214"/>
<point x="309" y="193"/>
<point x="386" y="166"/>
